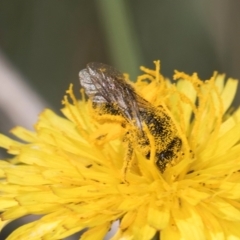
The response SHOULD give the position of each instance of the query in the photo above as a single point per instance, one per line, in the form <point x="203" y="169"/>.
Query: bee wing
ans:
<point x="103" y="83"/>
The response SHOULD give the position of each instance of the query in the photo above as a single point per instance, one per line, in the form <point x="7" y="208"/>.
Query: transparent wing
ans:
<point x="104" y="83"/>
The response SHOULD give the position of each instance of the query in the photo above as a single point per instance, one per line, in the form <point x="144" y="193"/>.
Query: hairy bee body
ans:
<point x="112" y="95"/>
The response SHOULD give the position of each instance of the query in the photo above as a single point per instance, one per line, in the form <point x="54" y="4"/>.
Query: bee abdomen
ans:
<point x="168" y="154"/>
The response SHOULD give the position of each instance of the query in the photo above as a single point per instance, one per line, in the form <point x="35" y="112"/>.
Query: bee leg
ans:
<point x="127" y="161"/>
<point x="171" y="152"/>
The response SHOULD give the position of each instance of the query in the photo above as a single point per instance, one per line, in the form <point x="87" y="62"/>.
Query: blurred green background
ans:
<point x="49" y="42"/>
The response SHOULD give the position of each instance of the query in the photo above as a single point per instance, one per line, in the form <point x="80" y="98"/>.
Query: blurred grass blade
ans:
<point x="122" y="39"/>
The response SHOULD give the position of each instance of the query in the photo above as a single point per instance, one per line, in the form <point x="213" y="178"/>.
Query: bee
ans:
<point x="149" y="125"/>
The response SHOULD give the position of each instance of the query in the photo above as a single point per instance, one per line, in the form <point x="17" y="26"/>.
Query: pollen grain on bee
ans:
<point x="111" y="95"/>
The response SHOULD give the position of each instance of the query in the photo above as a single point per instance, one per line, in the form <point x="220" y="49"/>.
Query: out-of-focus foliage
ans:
<point x="50" y="41"/>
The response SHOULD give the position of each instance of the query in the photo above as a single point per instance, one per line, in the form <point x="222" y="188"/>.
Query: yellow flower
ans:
<point x="70" y="170"/>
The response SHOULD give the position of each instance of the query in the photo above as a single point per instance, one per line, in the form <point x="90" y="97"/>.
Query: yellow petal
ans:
<point x="189" y="92"/>
<point x="33" y="230"/>
<point x="229" y="92"/>
<point x="189" y="222"/>
<point x="171" y="232"/>
<point x="24" y="134"/>
<point x="158" y="219"/>
<point x="97" y="232"/>
<point x="222" y="209"/>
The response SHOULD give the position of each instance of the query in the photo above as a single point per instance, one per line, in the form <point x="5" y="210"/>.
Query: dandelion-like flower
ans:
<point x="72" y="170"/>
